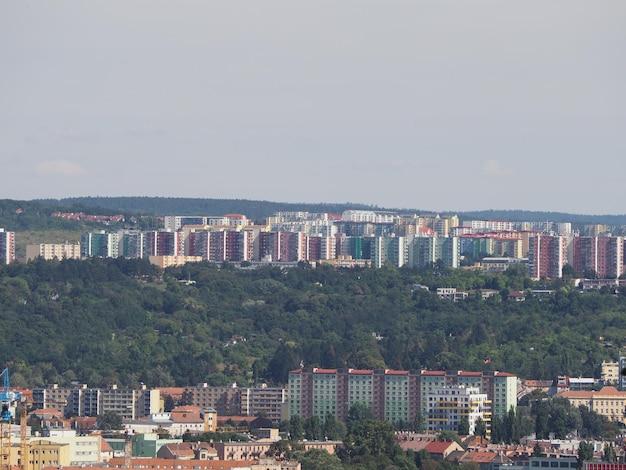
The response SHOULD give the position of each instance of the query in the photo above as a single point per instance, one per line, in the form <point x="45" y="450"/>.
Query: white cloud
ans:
<point x="493" y="167"/>
<point x="60" y="168"/>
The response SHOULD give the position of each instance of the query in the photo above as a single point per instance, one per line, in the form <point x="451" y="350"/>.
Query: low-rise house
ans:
<point x="329" y="446"/>
<point x="439" y="450"/>
<point x="188" y="451"/>
<point x="517" y="296"/>
<point x="241" y="450"/>
<point x="485" y="459"/>
<point x="451" y="293"/>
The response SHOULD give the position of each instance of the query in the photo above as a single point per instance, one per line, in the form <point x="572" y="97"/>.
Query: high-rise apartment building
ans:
<point x="546" y="256"/>
<point x="7" y="246"/>
<point x="603" y="256"/>
<point x="99" y="245"/>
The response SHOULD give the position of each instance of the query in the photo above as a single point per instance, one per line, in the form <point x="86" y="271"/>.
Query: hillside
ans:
<point x="121" y="321"/>
<point x="258" y="210"/>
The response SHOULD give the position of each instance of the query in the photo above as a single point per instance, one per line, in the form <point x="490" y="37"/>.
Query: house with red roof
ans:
<point x="439" y="450"/>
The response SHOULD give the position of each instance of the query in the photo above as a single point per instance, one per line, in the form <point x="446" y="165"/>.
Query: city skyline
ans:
<point x="446" y="105"/>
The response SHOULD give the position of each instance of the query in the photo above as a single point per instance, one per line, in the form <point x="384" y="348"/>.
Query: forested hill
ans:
<point x="36" y="215"/>
<point x="104" y="321"/>
<point x="257" y="210"/>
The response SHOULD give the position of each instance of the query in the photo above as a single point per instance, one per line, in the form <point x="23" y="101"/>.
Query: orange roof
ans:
<point x="361" y="371"/>
<point x="174" y="392"/>
<point x="46" y="411"/>
<point x="503" y="374"/>
<point x="479" y="457"/>
<point x="105" y="446"/>
<point x="396" y="372"/>
<point x="433" y="372"/>
<point x="187" y="409"/>
<point x="186" y="418"/>
<point x="439" y="447"/>
<point x="587" y="394"/>
<point x="173" y="464"/>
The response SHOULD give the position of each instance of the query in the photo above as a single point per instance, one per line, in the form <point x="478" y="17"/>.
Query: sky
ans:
<point x="426" y="104"/>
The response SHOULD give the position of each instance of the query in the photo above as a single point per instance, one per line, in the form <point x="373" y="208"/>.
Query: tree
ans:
<point x="110" y="421"/>
<point x="278" y="449"/>
<point x="357" y="413"/>
<point x="608" y="453"/>
<point x="313" y="429"/>
<point x="421" y="457"/>
<point x="168" y="403"/>
<point x="585" y="453"/>
<point x="480" y="427"/>
<point x="418" y="423"/>
<point x="333" y="428"/>
<point x="296" y="428"/>
<point x="371" y="442"/>
<point x="314" y="459"/>
<point x="281" y="363"/>
<point x="464" y="426"/>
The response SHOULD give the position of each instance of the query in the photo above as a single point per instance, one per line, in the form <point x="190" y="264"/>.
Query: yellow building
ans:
<point x="610" y="372"/>
<point x="44" y="453"/>
<point x="608" y="402"/>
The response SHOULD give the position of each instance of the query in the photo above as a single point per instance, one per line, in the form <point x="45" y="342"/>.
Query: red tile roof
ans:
<point x="170" y="464"/>
<point x="440" y="447"/>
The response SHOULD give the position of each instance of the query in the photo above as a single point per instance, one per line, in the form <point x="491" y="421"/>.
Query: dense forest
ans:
<point x="103" y="321"/>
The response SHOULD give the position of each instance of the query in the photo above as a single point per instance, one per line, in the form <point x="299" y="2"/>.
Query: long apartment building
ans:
<point x="238" y="401"/>
<point x="391" y="394"/>
<point x="84" y="401"/>
<point x="50" y="251"/>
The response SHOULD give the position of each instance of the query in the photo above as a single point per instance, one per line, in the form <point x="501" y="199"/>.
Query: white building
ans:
<point x="449" y="405"/>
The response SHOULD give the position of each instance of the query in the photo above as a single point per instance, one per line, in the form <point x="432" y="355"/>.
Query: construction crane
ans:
<point x="8" y="399"/>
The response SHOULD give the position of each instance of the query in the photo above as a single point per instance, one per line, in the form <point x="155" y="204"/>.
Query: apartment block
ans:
<point x="267" y="401"/>
<point x="99" y="245"/>
<point x="546" y="256"/>
<point x="85" y="401"/>
<point x="50" y="251"/>
<point x="7" y="247"/>
<point x="392" y="395"/>
<point x="162" y="243"/>
<point x="448" y="406"/>
<point x="238" y="401"/>
<point x="603" y="256"/>
<point x="392" y="250"/>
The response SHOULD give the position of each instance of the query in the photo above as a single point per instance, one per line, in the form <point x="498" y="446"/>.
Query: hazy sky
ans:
<point x="438" y="105"/>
